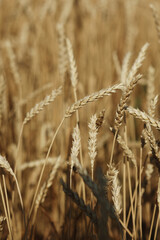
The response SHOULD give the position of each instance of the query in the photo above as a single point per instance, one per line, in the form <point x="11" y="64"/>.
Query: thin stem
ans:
<point x="43" y="167"/>
<point x="124" y="195"/>
<point x="131" y="199"/>
<point x="5" y="210"/>
<point x="126" y="229"/>
<point x="140" y="194"/>
<point x="153" y="217"/>
<point x="113" y="145"/>
<point x="157" y="223"/>
<point x="7" y="202"/>
<point x="18" y="148"/>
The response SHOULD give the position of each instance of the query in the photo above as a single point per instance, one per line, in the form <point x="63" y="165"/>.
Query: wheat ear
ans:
<point x="125" y="65"/>
<point x="72" y="64"/>
<point x="63" y="59"/>
<point x="44" y="189"/>
<point x="4" y="165"/>
<point x="92" y="98"/>
<point x="127" y="152"/>
<point x="80" y="203"/>
<point x="92" y="142"/>
<point x="144" y="117"/>
<point x="156" y="20"/>
<point x="112" y="177"/>
<point x="40" y="106"/>
<point x="123" y="101"/>
<point x="75" y="149"/>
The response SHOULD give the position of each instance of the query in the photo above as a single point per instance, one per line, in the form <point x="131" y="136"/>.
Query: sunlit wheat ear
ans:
<point x="76" y="143"/>
<point x="156" y="20"/>
<point x="41" y="105"/>
<point x="127" y="152"/>
<point x="152" y="140"/>
<point x="144" y="117"/>
<point x="125" y="67"/>
<point x="63" y="58"/>
<point x="5" y="166"/>
<point x="92" y="98"/>
<point x="112" y="177"/>
<point x="72" y="64"/>
<point x="137" y="64"/>
<point x="92" y="142"/>
<point x="132" y="80"/>
<point x="123" y="101"/>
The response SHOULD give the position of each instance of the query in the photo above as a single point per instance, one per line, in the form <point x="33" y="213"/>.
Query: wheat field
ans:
<point x="79" y="119"/>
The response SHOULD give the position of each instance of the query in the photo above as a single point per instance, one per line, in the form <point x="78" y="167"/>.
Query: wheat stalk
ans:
<point x="5" y="166"/>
